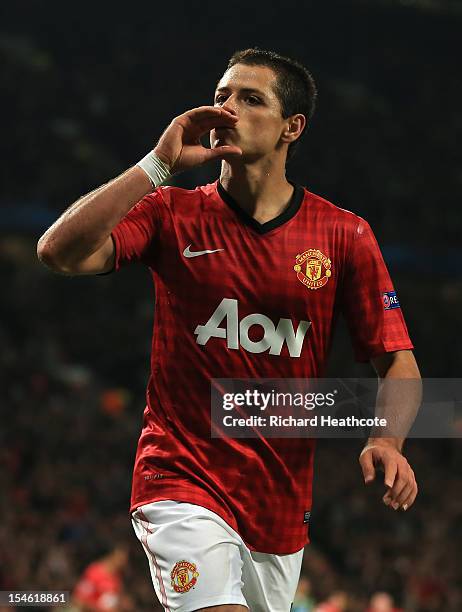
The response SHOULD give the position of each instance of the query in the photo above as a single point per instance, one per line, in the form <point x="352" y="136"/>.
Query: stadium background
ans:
<point x="86" y="90"/>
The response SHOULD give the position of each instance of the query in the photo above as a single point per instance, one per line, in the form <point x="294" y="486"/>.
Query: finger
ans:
<point x="391" y="467"/>
<point x="201" y="112"/>
<point x="204" y="113"/>
<point x="207" y="125"/>
<point x="405" y="475"/>
<point x="407" y="503"/>
<point x="223" y="152"/>
<point x="396" y="501"/>
<point x="401" y="481"/>
<point x="399" y="496"/>
<point x="367" y="466"/>
<point x="401" y="499"/>
<point x="411" y="499"/>
<point x="196" y="129"/>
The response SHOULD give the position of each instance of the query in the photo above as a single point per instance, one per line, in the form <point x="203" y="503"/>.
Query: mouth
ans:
<point x="223" y="134"/>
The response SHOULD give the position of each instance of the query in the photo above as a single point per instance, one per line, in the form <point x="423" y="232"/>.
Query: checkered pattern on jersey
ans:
<point x="263" y="287"/>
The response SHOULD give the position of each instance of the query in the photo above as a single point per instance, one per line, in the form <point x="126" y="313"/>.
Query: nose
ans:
<point x="230" y="105"/>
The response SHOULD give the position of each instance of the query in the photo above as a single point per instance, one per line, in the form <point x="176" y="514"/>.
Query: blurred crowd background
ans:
<point x="85" y="93"/>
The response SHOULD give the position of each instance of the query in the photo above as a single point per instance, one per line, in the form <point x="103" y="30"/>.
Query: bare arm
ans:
<point x="399" y="393"/>
<point x="79" y="242"/>
<point x="386" y="452"/>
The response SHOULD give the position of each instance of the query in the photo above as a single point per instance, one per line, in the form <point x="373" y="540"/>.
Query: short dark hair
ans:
<point x="295" y="87"/>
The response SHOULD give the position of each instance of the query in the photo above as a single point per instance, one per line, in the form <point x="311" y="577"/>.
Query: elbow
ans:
<point x="45" y="252"/>
<point x="49" y="257"/>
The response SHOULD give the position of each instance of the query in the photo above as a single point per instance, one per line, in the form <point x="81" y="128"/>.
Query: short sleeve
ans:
<point x="369" y="301"/>
<point x="135" y="237"/>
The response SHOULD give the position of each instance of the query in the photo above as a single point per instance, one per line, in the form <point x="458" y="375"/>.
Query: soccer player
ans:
<point x="382" y="602"/>
<point x="100" y="588"/>
<point x="337" y="602"/>
<point x="250" y="273"/>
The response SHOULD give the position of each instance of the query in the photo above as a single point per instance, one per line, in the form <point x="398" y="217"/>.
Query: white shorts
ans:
<point x="197" y="560"/>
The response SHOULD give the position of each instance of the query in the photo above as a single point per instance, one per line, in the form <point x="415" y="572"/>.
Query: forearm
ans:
<point x="398" y="398"/>
<point x="84" y="227"/>
<point x="78" y="242"/>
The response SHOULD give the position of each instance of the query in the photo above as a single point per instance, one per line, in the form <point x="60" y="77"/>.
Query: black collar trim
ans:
<point x="262" y="228"/>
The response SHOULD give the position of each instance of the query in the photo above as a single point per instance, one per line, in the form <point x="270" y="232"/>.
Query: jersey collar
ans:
<point x="262" y="228"/>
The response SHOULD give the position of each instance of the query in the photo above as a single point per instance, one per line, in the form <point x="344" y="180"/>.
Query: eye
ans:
<point x="253" y="100"/>
<point x="220" y="98"/>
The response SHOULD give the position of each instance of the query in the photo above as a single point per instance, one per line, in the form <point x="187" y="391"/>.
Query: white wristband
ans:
<point x="155" y="168"/>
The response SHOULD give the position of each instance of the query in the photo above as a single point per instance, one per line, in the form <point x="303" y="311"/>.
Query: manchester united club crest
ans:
<point x="184" y="576"/>
<point x="313" y="268"/>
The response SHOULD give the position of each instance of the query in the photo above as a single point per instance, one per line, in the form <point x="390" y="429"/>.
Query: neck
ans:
<point x="260" y="188"/>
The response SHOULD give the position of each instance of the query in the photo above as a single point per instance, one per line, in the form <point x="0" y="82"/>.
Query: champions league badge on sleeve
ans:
<point x="390" y="300"/>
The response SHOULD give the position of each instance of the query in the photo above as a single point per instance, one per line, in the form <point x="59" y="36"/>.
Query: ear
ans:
<point x="293" y="128"/>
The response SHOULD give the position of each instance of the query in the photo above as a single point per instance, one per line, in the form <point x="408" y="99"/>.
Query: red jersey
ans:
<point x="98" y="588"/>
<point x="328" y="607"/>
<point x="238" y="299"/>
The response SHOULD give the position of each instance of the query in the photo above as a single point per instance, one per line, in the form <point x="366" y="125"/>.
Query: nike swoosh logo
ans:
<point x="188" y="253"/>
